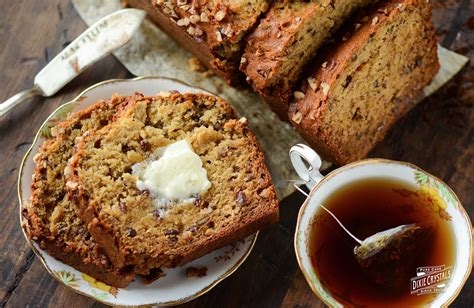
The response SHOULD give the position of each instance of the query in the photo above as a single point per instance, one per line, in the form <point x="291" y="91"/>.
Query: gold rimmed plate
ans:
<point x="175" y="287"/>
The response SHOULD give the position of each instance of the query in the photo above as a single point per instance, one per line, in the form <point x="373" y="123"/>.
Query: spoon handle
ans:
<point x="17" y="99"/>
<point x="333" y="216"/>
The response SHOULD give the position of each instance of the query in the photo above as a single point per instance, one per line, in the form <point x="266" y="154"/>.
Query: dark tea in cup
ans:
<point x="413" y="275"/>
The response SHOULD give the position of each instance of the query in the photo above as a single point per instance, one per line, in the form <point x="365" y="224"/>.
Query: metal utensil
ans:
<point x="99" y="40"/>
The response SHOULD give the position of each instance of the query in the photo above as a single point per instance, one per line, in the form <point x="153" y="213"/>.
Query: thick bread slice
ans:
<point x="212" y="30"/>
<point x="367" y="81"/>
<point x="124" y="220"/>
<point x="285" y="40"/>
<point x="52" y="220"/>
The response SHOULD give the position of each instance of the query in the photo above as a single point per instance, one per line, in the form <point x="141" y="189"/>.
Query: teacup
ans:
<point x="307" y="164"/>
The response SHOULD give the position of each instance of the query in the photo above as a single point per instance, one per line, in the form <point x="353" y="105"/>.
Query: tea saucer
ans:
<point x="172" y="289"/>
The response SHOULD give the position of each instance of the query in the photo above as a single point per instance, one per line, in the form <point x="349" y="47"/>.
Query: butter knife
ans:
<point x="99" y="40"/>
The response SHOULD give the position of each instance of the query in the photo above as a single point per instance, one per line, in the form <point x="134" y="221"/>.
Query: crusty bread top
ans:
<point x="366" y="80"/>
<point x="102" y="182"/>
<point x="222" y="24"/>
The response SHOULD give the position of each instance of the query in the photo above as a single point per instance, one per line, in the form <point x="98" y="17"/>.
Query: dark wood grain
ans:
<point x="438" y="135"/>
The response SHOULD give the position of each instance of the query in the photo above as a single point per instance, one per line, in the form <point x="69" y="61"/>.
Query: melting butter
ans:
<point x="174" y="172"/>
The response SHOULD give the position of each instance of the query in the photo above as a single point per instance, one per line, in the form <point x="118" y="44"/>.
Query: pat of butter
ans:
<point x="176" y="173"/>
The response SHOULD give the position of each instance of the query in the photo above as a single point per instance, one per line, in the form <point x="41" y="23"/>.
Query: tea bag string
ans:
<point x="295" y="185"/>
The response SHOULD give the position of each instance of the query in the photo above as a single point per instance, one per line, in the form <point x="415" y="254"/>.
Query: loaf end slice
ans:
<point x="51" y="218"/>
<point x="211" y="30"/>
<point x="126" y="221"/>
<point x="367" y="80"/>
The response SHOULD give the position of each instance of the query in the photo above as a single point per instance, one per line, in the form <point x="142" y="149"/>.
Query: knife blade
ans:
<point x="98" y="41"/>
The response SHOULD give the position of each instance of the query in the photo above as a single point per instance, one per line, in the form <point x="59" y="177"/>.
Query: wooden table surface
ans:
<point x="437" y="135"/>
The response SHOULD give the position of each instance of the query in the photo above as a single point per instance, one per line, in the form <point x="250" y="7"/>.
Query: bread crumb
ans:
<point x="219" y="84"/>
<point x="154" y="275"/>
<point x="195" y="65"/>
<point x="325" y="64"/>
<point x="196" y="272"/>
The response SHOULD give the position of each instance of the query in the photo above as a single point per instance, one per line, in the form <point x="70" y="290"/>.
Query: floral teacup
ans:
<point x="307" y="164"/>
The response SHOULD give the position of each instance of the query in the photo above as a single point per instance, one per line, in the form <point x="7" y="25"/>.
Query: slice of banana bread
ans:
<point x="365" y="82"/>
<point x="212" y="30"/>
<point x="51" y="216"/>
<point x="285" y="40"/>
<point x="130" y="223"/>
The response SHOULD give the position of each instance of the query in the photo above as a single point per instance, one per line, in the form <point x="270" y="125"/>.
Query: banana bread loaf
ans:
<point x="212" y="30"/>
<point x="285" y="40"/>
<point x="144" y="228"/>
<point x="52" y="220"/>
<point x="361" y="85"/>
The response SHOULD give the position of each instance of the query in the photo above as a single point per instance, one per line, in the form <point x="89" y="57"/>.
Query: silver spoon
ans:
<point x="99" y="40"/>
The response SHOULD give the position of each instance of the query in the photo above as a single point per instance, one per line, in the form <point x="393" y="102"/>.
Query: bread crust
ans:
<point x="307" y="113"/>
<point x="121" y="255"/>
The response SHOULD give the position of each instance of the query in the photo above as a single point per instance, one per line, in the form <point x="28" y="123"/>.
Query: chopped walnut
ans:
<point x="227" y="31"/>
<point x="204" y="17"/>
<point x="36" y="157"/>
<point x="194" y="19"/>
<point x="297" y="117"/>
<point x="187" y="236"/>
<point x="195" y="31"/>
<point x="298" y="95"/>
<point x="312" y="83"/>
<point x="241" y="198"/>
<point x="218" y="36"/>
<point x="325" y="87"/>
<point x="401" y="7"/>
<point x="183" y="22"/>
<point x="72" y="185"/>
<point x="265" y="193"/>
<point x="220" y="15"/>
<point x="375" y="20"/>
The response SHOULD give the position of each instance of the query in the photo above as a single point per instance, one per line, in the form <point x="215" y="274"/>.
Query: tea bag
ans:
<point x="387" y="257"/>
<point x="377" y="242"/>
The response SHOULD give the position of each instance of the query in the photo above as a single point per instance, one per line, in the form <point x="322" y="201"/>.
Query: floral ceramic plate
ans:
<point x="175" y="287"/>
